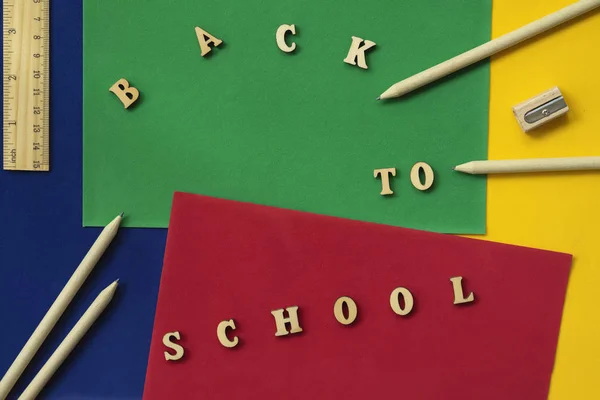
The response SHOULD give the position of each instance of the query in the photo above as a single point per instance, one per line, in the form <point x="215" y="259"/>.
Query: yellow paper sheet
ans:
<point x="555" y="211"/>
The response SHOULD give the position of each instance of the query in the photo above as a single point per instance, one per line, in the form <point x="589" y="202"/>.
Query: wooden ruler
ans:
<point x="26" y="84"/>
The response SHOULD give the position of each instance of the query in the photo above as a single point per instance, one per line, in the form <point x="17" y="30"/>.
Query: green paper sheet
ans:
<point x="296" y="130"/>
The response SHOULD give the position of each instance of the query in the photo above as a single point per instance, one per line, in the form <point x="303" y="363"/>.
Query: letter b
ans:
<point x="124" y="92"/>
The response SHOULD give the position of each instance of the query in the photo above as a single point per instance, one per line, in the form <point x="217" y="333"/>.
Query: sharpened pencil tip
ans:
<point x="117" y="281"/>
<point x="121" y="215"/>
<point x="378" y="98"/>
<point x="453" y="168"/>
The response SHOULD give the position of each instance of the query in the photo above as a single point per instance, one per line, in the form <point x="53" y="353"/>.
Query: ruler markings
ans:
<point x="26" y="81"/>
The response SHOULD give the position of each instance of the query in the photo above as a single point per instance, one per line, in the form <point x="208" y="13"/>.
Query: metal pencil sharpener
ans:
<point x="541" y="109"/>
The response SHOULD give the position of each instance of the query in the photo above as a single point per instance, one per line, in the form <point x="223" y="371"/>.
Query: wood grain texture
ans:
<point x="280" y="38"/>
<point x="168" y="342"/>
<point x="291" y="319"/>
<point x="126" y="93"/>
<point x="26" y="130"/>
<point x="205" y="39"/>
<point x="530" y="165"/>
<point x="523" y="108"/>
<point x="416" y="180"/>
<point x="222" y="333"/>
<point x="490" y="48"/>
<point x="459" y="296"/>
<point x="356" y="54"/>
<point x="409" y="301"/>
<point x="58" y="307"/>
<point x="70" y="342"/>
<point x="338" y="310"/>
<point x="385" y="179"/>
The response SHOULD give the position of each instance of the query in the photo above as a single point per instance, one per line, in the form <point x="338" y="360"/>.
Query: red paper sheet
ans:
<point x="230" y="260"/>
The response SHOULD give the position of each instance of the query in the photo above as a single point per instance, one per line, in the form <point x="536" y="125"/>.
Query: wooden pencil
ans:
<point x="68" y="344"/>
<point x="58" y="307"/>
<point x="490" y="48"/>
<point x="530" y="165"/>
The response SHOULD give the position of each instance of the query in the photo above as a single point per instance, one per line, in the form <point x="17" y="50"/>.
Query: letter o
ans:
<point x="408" y="301"/>
<point x="338" y="310"/>
<point x="416" y="180"/>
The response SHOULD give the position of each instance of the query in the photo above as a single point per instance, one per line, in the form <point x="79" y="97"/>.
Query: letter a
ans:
<point x="280" y="321"/>
<point x="459" y="296"/>
<point x="204" y="43"/>
<point x="174" y="346"/>
<point x="124" y="92"/>
<point x="356" y="51"/>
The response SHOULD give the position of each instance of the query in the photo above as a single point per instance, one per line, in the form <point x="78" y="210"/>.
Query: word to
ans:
<point x="281" y="321"/>
<point x="414" y="177"/>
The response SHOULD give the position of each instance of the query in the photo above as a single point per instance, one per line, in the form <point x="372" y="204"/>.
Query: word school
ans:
<point x="344" y="318"/>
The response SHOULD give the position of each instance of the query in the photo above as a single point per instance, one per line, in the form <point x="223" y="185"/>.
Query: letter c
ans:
<point x="280" y="36"/>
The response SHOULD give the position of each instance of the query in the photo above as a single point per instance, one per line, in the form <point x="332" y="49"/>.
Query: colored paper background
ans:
<point x="300" y="131"/>
<point x="41" y="238"/>
<point x="556" y="211"/>
<point x="42" y="242"/>
<point x="231" y="260"/>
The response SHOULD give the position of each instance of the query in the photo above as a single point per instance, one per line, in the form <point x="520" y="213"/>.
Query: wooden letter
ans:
<point x="280" y="36"/>
<point x="356" y="51"/>
<point x="414" y="176"/>
<point x="174" y="346"/>
<point x="459" y="297"/>
<point x="222" y="335"/>
<point x="385" y="179"/>
<point x="124" y="92"/>
<point x="281" y="321"/>
<point x="338" y="310"/>
<point x="204" y="43"/>
<point x="408" y="301"/>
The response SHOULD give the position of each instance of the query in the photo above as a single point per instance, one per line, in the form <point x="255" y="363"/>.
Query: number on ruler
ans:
<point x="35" y="85"/>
